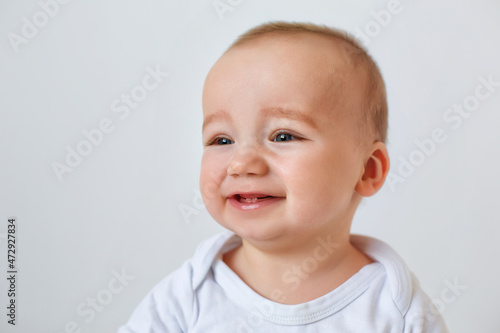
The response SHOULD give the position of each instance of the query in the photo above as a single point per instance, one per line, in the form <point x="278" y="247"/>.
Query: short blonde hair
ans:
<point x="375" y="106"/>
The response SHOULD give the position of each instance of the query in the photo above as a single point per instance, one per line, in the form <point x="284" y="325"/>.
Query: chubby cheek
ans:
<point x="318" y="185"/>
<point x="213" y="171"/>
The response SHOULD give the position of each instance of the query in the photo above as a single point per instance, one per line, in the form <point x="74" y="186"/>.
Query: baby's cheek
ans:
<point x="211" y="177"/>
<point x="209" y="189"/>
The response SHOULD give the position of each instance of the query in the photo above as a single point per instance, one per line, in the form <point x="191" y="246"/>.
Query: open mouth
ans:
<point x="251" y="201"/>
<point x="252" y="198"/>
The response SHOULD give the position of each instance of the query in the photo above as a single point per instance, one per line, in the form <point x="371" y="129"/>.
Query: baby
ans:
<point x="295" y="120"/>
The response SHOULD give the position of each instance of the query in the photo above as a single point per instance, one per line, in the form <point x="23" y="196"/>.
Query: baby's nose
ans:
<point x="247" y="161"/>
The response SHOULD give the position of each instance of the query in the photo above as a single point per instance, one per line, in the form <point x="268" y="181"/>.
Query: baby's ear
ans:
<point x="375" y="170"/>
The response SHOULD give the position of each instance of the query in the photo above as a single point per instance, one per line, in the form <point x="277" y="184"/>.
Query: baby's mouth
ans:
<point x="251" y="199"/>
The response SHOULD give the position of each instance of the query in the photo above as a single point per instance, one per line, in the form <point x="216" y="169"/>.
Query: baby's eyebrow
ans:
<point x="218" y="115"/>
<point x="270" y="112"/>
<point x="279" y="112"/>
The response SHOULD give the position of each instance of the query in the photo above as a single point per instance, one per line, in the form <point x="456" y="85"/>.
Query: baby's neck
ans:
<point x="295" y="279"/>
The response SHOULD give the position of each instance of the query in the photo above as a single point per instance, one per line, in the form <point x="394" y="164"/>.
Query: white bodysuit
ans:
<point x="204" y="295"/>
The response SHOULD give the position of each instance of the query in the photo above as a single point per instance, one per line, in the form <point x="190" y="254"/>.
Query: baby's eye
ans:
<point x="281" y="137"/>
<point x="222" y="141"/>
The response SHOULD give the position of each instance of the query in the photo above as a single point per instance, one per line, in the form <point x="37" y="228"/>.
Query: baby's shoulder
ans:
<point x="194" y="270"/>
<point x="401" y="286"/>
<point x="172" y="302"/>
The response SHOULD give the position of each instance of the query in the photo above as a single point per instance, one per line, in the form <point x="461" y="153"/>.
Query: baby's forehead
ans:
<point x="350" y="80"/>
<point x="306" y="44"/>
<point x="329" y="58"/>
<point x="320" y="64"/>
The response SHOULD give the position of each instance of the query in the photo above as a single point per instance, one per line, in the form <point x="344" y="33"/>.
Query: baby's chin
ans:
<point x="251" y="233"/>
<point x="271" y="237"/>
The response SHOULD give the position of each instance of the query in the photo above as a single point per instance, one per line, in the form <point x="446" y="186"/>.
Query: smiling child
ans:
<point x="294" y="130"/>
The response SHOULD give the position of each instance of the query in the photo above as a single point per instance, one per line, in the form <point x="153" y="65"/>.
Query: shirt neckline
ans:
<point x="285" y="314"/>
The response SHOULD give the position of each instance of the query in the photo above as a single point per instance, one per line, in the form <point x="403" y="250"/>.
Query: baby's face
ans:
<point x="281" y="152"/>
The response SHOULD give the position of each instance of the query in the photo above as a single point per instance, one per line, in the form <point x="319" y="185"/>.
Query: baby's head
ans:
<point x="295" y="120"/>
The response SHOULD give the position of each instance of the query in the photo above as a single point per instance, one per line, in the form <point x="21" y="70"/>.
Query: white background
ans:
<point x="121" y="208"/>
